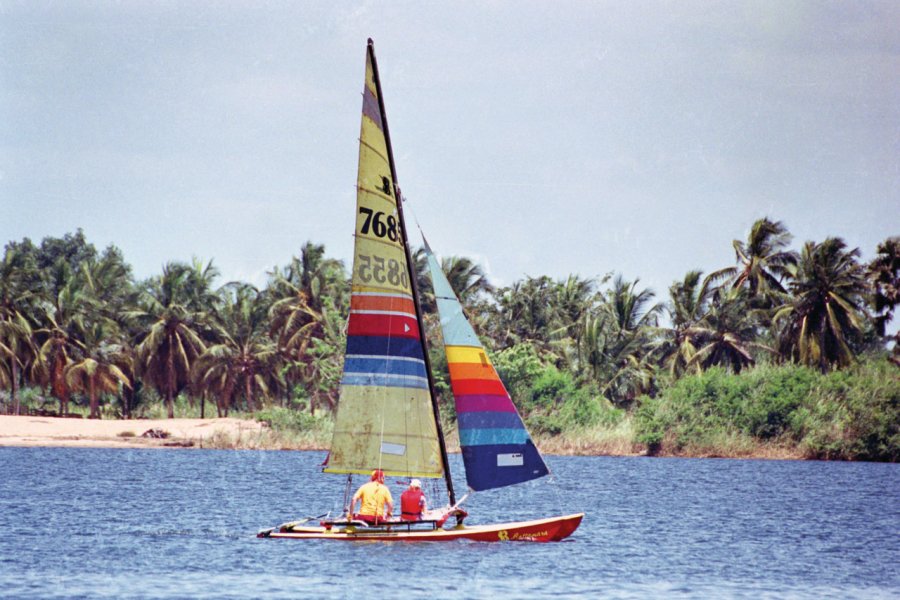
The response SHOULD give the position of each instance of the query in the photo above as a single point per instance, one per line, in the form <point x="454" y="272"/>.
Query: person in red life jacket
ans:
<point x="412" y="502"/>
<point x="373" y="497"/>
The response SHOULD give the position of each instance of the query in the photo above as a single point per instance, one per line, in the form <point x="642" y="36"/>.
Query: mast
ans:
<point x="412" y="276"/>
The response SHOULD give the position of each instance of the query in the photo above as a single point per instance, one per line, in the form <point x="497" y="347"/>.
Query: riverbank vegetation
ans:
<point x="784" y="353"/>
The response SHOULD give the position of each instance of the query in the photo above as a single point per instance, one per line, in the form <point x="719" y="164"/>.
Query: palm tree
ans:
<point x="63" y="322"/>
<point x="16" y="353"/>
<point x="617" y="341"/>
<point x="884" y="275"/>
<point x="17" y="277"/>
<point x="108" y="283"/>
<point x="525" y="312"/>
<point x="467" y="278"/>
<point x="763" y="261"/>
<point x="687" y="306"/>
<point x="311" y="297"/>
<point x="725" y="334"/>
<point x="173" y="321"/>
<point x="423" y="280"/>
<point x="97" y="372"/>
<point x="710" y="327"/>
<point x="825" y="311"/>
<point x="575" y="298"/>
<point x="243" y="358"/>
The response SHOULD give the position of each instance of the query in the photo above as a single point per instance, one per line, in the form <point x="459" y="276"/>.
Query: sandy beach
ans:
<point x="53" y="431"/>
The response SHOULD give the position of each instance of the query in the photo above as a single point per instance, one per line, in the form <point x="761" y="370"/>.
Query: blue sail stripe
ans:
<point x="390" y="365"/>
<point x="382" y="380"/>
<point x="384" y="346"/>
<point x="489" y="420"/>
<point x="484" y="470"/>
<point x="484" y="437"/>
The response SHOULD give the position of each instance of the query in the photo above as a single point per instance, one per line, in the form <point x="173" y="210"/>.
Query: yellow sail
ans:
<point x="385" y="418"/>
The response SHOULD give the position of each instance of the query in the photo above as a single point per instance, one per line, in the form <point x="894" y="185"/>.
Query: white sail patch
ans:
<point x="395" y="449"/>
<point x="510" y="460"/>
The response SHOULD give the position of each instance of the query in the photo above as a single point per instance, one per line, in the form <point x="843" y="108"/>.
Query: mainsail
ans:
<point x="385" y="417"/>
<point x="496" y="448"/>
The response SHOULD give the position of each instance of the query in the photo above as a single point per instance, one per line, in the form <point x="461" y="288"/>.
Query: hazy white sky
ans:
<point x="539" y="138"/>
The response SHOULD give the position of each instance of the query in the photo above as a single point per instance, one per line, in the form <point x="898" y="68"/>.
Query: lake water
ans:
<point x="109" y="523"/>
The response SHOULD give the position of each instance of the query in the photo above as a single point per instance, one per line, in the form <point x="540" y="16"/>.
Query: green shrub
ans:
<point x="855" y="414"/>
<point x="776" y="393"/>
<point x="552" y="388"/>
<point x="650" y="423"/>
<point x="583" y="408"/>
<point x="852" y="414"/>
<point x="285" y="420"/>
<point x="518" y="365"/>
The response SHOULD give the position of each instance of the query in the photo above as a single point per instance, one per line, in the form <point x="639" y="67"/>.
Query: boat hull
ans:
<point x="553" y="529"/>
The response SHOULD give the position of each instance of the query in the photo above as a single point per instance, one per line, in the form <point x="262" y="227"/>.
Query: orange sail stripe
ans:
<point x="471" y="371"/>
<point x="386" y="303"/>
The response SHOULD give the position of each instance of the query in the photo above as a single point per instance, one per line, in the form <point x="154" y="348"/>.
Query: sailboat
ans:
<point x="388" y="417"/>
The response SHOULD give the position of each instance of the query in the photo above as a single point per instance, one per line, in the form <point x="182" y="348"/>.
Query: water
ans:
<point x="108" y="523"/>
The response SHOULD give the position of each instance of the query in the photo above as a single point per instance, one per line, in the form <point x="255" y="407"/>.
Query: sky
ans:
<point x="537" y="138"/>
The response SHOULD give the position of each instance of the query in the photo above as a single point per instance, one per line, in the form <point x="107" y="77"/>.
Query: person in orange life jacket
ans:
<point x="412" y="502"/>
<point x="373" y="497"/>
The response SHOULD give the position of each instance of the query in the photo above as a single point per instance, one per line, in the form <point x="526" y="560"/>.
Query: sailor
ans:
<point x="412" y="502"/>
<point x="374" y="497"/>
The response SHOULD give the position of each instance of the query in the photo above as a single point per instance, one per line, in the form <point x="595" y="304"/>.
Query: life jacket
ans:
<point x="411" y="504"/>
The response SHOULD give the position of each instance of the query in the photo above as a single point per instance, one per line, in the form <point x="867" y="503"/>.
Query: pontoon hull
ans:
<point x="543" y="530"/>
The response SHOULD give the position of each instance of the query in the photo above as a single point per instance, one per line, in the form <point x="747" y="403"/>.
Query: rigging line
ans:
<point x="381" y="441"/>
<point x="554" y="485"/>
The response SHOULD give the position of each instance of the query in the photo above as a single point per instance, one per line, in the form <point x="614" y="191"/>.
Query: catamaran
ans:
<point x="388" y="416"/>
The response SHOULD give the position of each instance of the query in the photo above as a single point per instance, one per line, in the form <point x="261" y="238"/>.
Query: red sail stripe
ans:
<point x="470" y="387"/>
<point x="388" y="303"/>
<point x="384" y="326"/>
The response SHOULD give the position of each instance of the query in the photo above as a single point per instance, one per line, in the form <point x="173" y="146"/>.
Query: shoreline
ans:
<point x="39" y="431"/>
<point x="245" y="434"/>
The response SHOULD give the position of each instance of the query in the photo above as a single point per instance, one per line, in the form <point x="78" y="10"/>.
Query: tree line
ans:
<point x="76" y="325"/>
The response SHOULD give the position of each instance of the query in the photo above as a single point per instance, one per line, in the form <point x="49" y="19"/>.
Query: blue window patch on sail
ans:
<point x="382" y="380"/>
<point x="384" y="365"/>
<point x="489" y="420"/>
<point x="485" y="437"/>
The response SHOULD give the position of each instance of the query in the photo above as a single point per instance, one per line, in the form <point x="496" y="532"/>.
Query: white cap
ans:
<point x="415" y="483"/>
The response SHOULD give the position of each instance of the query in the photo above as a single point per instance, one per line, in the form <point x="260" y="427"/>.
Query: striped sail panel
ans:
<point x="497" y="449"/>
<point x="385" y="417"/>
